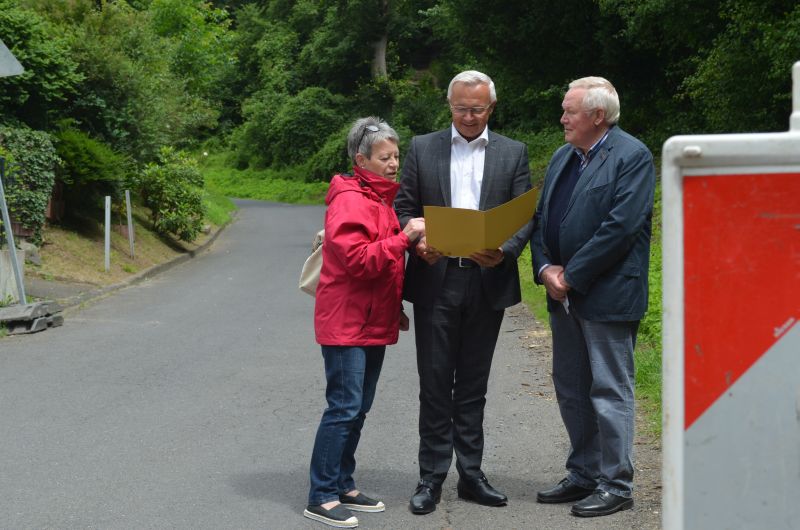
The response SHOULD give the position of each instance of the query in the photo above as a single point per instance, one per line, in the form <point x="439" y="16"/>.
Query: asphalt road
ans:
<point x="191" y="401"/>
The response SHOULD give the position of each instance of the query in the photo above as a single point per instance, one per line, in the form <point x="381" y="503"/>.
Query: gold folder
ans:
<point x="461" y="232"/>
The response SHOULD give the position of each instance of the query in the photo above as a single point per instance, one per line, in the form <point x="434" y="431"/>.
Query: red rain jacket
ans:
<point x="359" y="295"/>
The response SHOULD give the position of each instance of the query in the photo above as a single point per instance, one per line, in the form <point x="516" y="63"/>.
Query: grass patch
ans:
<point x="261" y="184"/>
<point x="533" y="295"/>
<point x="218" y="207"/>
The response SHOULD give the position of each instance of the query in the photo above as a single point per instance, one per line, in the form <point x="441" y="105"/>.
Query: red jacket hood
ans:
<point x="366" y="182"/>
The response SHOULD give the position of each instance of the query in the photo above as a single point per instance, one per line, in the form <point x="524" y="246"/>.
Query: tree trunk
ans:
<point x="379" y="46"/>
<point x="379" y="57"/>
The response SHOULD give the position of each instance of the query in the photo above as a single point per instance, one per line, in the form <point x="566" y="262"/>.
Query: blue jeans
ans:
<point x="352" y="373"/>
<point x="593" y="377"/>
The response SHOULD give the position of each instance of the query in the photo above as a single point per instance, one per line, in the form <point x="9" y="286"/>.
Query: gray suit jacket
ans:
<point x="426" y="181"/>
<point x="605" y="233"/>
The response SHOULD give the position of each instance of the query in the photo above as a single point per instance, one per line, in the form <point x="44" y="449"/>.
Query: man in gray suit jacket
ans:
<point x="459" y="301"/>
<point x="591" y="248"/>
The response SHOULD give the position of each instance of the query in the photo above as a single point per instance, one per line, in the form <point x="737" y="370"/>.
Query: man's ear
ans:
<point x="600" y="118"/>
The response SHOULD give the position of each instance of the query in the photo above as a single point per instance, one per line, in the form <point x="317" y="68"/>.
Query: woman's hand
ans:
<point x="415" y="228"/>
<point x="404" y="325"/>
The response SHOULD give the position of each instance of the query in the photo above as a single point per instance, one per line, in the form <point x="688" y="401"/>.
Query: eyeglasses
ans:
<point x="370" y="128"/>
<point x="476" y="111"/>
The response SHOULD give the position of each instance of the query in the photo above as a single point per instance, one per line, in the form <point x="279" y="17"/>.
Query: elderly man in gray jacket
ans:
<point x="591" y="247"/>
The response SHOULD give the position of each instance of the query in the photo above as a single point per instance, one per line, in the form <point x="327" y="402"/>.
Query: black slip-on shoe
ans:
<point x="338" y="516"/>
<point x="361" y="503"/>
<point x="564" y="491"/>
<point x="425" y="498"/>
<point x="601" y="503"/>
<point x="479" y="490"/>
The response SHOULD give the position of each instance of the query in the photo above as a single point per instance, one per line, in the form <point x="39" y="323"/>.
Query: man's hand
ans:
<point x="429" y="254"/>
<point x="553" y="279"/>
<point x="487" y="257"/>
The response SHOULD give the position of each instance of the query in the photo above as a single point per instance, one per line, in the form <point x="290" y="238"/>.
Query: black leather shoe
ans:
<point x="479" y="490"/>
<point x="425" y="498"/>
<point x="565" y="491"/>
<point x="601" y="503"/>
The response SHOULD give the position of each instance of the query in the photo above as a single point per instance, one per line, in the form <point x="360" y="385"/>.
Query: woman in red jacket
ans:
<point x="358" y="312"/>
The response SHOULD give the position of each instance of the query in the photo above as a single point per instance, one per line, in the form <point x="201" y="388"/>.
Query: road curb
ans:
<point x="72" y="301"/>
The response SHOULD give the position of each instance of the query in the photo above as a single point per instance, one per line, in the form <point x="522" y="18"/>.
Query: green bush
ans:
<point x="91" y="170"/>
<point x="173" y="190"/>
<point x="331" y="158"/>
<point x="285" y="130"/>
<point x="29" y="179"/>
<point x="541" y="146"/>
<point x="419" y="106"/>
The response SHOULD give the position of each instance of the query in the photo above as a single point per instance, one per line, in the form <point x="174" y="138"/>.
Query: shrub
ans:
<point x="173" y="190"/>
<point x="91" y="170"/>
<point x="419" y="105"/>
<point x="285" y="130"/>
<point x="331" y="158"/>
<point x="29" y="179"/>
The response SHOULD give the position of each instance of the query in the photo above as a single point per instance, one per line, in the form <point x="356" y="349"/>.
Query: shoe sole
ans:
<point x="622" y="507"/>
<point x="380" y="507"/>
<point x="330" y="522"/>
<point x="561" y="500"/>
<point x="471" y="498"/>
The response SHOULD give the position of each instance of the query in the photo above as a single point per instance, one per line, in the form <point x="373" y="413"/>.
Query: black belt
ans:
<point x="463" y="263"/>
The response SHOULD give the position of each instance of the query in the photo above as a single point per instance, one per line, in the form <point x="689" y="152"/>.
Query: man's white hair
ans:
<point x="472" y="78"/>
<point x="600" y="94"/>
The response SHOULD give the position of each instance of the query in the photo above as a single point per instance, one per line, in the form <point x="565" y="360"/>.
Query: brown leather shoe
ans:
<point x="564" y="491"/>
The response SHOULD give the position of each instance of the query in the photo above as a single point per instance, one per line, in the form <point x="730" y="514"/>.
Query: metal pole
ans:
<point x="10" y="237"/>
<point x="130" y="221"/>
<point x="108" y="233"/>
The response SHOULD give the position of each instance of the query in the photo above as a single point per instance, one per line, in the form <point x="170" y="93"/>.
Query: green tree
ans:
<point x="743" y="82"/>
<point x="202" y="53"/>
<point x="131" y="98"/>
<point x="51" y="78"/>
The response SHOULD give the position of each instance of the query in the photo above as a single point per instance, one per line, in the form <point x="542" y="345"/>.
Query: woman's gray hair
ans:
<point x="600" y="94"/>
<point x="472" y="78"/>
<point x="361" y="140"/>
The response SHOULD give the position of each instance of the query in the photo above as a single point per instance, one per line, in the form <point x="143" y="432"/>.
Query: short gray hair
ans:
<point x="600" y="94"/>
<point x="360" y="140"/>
<point x="472" y="78"/>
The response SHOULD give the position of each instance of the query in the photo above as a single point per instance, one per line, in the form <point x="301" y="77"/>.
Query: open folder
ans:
<point x="461" y="232"/>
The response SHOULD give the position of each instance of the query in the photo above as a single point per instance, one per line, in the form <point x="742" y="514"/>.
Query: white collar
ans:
<point x="455" y="136"/>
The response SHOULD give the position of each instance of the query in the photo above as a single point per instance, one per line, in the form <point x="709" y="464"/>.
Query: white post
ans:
<point x="108" y="233"/>
<point x="130" y="220"/>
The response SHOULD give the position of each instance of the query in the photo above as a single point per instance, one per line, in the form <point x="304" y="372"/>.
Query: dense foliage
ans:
<point x="90" y="170"/>
<point x="275" y="82"/>
<point x="31" y="160"/>
<point x="172" y="188"/>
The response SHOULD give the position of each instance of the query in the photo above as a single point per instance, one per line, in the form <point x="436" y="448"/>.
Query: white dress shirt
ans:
<point x="466" y="169"/>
